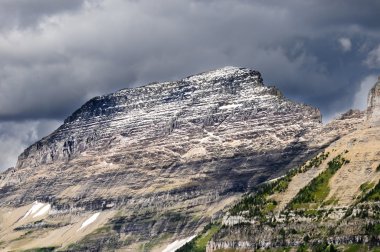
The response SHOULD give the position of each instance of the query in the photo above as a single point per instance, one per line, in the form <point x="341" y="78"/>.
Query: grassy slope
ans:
<point x="258" y="205"/>
<point x="318" y="189"/>
<point x="200" y="242"/>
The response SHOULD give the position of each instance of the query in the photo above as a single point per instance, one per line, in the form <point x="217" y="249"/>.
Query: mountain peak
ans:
<point x="229" y="97"/>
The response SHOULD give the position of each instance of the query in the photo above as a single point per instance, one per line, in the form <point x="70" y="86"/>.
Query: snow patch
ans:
<point x="231" y="106"/>
<point x="172" y="247"/>
<point x="275" y="179"/>
<point x="34" y="209"/>
<point x="216" y="74"/>
<point x="44" y="210"/>
<point x="89" y="221"/>
<point x="195" y="152"/>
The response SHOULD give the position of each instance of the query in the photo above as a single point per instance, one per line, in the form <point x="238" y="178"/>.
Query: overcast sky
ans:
<point x="56" y="54"/>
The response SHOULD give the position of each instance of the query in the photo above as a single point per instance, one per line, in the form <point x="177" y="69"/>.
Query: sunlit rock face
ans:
<point x="373" y="110"/>
<point x="177" y="152"/>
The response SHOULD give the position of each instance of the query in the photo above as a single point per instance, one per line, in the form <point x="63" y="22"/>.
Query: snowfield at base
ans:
<point x="38" y="209"/>
<point x="172" y="247"/>
<point x="89" y="221"/>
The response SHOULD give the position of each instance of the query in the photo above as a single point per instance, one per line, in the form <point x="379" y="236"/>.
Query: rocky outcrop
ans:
<point x="169" y="156"/>
<point x="373" y="110"/>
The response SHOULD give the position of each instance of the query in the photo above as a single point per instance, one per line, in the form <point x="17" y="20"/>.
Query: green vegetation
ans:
<point x="356" y="248"/>
<point x="359" y="248"/>
<point x="154" y="242"/>
<point x="373" y="194"/>
<point x="365" y="187"/>
<point x="315" y="162"/>
<point x="254" y="206"/>
<point x="280" y="249"/>
<point x="44" y="249"/>
<point x="258" y="205"/>
<point x="331" y="201"/>
<point x="373" y="229"/>
<point x="200" y="242"/>
<point x="283" y="249"/>
<point x="324" y="247"/>
<point x="227" y="250"/>
<point x="303" y="248"/>
<point x="25" y="235"/>
<point x="318" y="189"/>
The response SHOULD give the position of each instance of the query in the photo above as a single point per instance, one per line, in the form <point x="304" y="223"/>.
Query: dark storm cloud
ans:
<point x="55" y="55"/>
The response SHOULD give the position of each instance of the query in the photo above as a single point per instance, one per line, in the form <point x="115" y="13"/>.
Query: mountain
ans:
<point x="145" y="168"/>
<point x="330" y="203"/>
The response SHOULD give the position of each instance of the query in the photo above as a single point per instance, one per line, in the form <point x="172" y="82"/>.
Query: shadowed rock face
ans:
<point x="181" y="149"/>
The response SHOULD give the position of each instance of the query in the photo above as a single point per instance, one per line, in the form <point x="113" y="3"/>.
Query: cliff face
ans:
<point x="159" y="161"/>
<point x="373" y="110"/>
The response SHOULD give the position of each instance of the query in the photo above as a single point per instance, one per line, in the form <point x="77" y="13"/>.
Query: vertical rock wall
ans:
<point x="373" y="111"/>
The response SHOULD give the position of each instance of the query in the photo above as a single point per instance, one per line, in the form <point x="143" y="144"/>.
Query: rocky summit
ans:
<point x="145" y="169"/>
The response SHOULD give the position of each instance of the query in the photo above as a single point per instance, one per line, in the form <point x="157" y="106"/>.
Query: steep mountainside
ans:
<point x="141" y="168"/>
<point x="331" y="200"/>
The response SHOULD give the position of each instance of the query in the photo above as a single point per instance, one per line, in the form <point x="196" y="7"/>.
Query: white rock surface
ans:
<point x="44" y="210"/>
<point x="172" y="247"/>
<point x="89" y="221"/>
<point x="34" y="209"/>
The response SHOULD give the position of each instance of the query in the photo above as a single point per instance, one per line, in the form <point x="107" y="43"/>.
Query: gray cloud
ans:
<point x="22" y="14"/>
<point x="345" y="43"/>
<point x="360" y="101"/>
<point x="373" y="59"/>
<point x="14" y="136"/>
<point x="55" y="55"/>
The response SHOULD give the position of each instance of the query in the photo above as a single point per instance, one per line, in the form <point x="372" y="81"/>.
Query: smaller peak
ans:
<point x="352" y="113"/>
